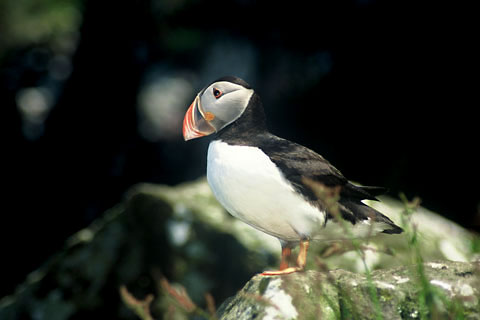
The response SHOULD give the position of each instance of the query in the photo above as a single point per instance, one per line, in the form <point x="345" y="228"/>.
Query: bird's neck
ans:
<point x="250" y="123"/>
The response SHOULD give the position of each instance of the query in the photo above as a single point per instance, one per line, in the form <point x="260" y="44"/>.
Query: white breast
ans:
<point x="251" y="187"/>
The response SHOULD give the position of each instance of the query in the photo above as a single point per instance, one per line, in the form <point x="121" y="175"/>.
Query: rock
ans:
<point x="438" y="239"/>
<point x="184" y="235"/>
<point x="452" y="291"/>
<point x="180" y="233"/>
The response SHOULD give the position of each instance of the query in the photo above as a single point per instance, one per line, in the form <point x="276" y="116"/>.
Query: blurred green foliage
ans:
<point x="30" y="22"/>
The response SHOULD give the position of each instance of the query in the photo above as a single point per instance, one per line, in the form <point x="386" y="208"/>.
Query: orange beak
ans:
<point x="194" y="123"/>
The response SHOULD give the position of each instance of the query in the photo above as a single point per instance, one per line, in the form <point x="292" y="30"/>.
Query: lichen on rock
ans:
<point x="340" y="294"/>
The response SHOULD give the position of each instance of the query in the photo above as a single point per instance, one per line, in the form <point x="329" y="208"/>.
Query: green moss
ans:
<point x="408" y="309"/>
<point x="384" y="296"/>
<point x="263" y="285"/>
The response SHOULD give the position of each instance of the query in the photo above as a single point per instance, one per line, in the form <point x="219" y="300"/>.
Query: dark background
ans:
<point x="380" y="89"/>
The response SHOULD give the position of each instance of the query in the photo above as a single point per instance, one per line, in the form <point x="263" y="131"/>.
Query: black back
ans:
<point x="297" y="162"/>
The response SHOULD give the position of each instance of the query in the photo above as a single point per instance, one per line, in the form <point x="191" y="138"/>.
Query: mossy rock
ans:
<point x="451" y="292"/>
<point x="183" y="234"/>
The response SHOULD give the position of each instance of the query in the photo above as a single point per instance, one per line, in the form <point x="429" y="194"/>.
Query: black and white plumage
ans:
<point x="260" y="178"/>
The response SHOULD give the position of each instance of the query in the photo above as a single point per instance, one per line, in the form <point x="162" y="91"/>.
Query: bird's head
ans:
<point x="216" y="106"/>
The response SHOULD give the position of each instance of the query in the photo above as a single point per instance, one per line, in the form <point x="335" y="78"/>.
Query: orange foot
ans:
<point x="281" y="272"/>
<point x="284" y="269"/>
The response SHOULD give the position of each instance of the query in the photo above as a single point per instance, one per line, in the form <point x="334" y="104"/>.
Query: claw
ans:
<point x="284" y="269"/>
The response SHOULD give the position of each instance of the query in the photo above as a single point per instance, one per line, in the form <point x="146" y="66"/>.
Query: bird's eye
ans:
<point x="217" y="93"/>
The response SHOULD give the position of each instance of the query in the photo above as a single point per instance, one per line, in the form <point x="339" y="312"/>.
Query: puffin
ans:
<point x="269" y="182"/>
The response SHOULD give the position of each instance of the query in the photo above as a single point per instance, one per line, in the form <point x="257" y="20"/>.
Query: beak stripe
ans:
<point x="194" y="123"/>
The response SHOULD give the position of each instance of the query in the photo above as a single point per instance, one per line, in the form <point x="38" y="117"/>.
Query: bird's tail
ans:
<point x="363" y="212"/>
<point x="374" y="191"/>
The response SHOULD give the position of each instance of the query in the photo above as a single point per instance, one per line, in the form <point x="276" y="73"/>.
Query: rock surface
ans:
<point x="452" y="292"/>
<point x="177" y="232"/>
<point x="183" y="234"/>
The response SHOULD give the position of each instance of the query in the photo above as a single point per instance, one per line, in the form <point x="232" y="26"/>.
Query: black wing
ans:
<point x="298" y="162"/>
